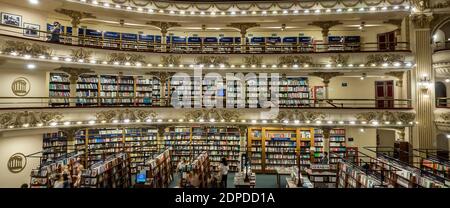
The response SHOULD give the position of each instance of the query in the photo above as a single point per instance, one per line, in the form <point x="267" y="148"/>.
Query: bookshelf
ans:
<point x="112" y="172"/>
<point x="199" y="165"/>
<point x="255" y="151"/>
<point x="87" y="90"/>
<point x="59" y="89"/>
<point x="234" y="93"/>
<point x="337" y="145"/>
<point x="54" y="146"/>
<point x="97" y="144"/>
<point x="144" y="91"/>
<point x="157" y="171"/>
<point x="294" y="92"/>
<point x="306" y="142"/>
<point x="436" y="167"/>
<point x="43" y="176"/>
<point x="351" y="154"/>
<point x="179" y="139"/>
<point x="322" y="176"/>
<point x="271" y="148"/>
<point x="318" y="145"/>
<point x="117" y="90"/>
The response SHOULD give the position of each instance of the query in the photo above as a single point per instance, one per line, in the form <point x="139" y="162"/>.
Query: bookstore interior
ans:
<point x="225" y="94"/>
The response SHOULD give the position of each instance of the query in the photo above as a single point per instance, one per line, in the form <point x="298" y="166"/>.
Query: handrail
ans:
<point x="441" y="46"/>
<point x="75" y="102"/>
<point x="219" y="48"/>
<point x="442" y="102"/>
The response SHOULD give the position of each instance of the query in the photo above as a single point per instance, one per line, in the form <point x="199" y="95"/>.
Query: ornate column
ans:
<point x="243" y="27"/>
<point x="74" y="73"/>
<point x="163" y="77"/>
<point x="163" y="27"/>
<point x="424" y="133"/>
<point x="326" y="76"/>
<point x="325" y="25"/>
<point x="326" y="139"/>
<point x="160" y="138"/>
<point x="76" y="17"/>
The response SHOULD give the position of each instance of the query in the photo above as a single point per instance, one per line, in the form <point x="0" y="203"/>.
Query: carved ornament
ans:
<point x="19" y="119"/>
<point x="208" y="60"/>
<point x="110" y="115"/>
<point x="216" y="114"/>
<point x="126" y="57"/>
<point x="379" y="59"/>
<point x="292" y="60"/>
<point x="22" y="48"/>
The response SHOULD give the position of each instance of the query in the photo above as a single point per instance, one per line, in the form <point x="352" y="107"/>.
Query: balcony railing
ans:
<point x="74" y="102"/>
<point x="442" y="102"/>
<point x="213" y="48"/>
<point x="441" y="46"/>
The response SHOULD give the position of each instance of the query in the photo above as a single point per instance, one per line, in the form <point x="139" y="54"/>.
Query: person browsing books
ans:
<point x="325" y="158"/>
<point x="59" y="181"/>
<point x="223" y="171"/>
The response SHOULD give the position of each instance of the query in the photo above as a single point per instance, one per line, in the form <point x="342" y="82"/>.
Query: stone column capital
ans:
<point x="325" y="25"/>
<point x="76" y="16"/>
<point x="243" y="27"/>
<point x="326" y="76"/>
<point x="74" y="72"/>
<point x="163" y="26"/>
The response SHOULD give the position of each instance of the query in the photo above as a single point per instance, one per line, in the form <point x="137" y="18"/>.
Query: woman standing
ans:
<point x="223" y="170"/>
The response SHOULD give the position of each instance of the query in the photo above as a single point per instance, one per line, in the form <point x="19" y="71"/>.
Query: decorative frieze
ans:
<point x="214" y="60"/>
<point x="339" y="59"/>
<point x="81" y="54"/>
<point x="171" y="60"/>
<point x="216" y="114"/>
<point x="253" y="60"/>
<point x="22" y="48"/>
<point x="28" y="118"/>
<point x="386" y="116"/>
<point x="300" y="115"/>
<point x="379" y="59"/>
<point x="294" y="60"/>
<point x="123" y="58"/>
<point x="120" y="115"/>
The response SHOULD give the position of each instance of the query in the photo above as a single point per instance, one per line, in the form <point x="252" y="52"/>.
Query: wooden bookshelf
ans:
<point x="158" y="171"/>
<point x="111" y="172"/>
<point x="318" y="145"/>
<point x="44" y="175"/>
<point x="199" y="165"/>
<point x="87" y="90"/>
<point x="337" y="145"/>
<point x="269" y="148"/>
<point x="54" y="146"/>
<point x="59" y="89"/>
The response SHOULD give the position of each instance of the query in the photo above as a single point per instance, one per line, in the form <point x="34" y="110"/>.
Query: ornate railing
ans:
<point x="211" y="48"/>
<point x="74" y="102"/>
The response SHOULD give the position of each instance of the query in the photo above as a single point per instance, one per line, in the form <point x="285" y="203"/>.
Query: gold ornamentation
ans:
<point x="325" y="25"/>
<point x="18" y="119"/>
<point x="207" y="60"/>
<point x="171" y="59"/>
<point x="164" y="26"/>
<point x="17" y="162"/>
<point x="81" y="54"/>
<point x="292" y="60"/>
<point x="126" y="57"/>
<point x="23" y="48"/>
<point x="76" y="16"/>
<point x="379" y="59"/>
<point x="339" y="59"/>
<point x="253" y="60"/>
<point x="326" y="76"/>
<point x="398" y="75"/>
<point x="21" y="86"/>
<point x="421" y="5"/>
<point x="216" y="114"/>
<point x="442" y="5"/>
<point x="422" y="20"/>
<point x="404" y="117"/>
<point x="74" y="72"/>
<point x="243" y="27"/>
<point x="300" y="115"/>
<point x="110" y="115"/>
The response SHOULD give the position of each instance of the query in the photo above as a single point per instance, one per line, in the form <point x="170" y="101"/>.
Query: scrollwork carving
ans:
<point x="379" y="59"/>
<point x="23" y="48"/>
<point x="215" y="60"/>
<point x="110" y="115"/>
<point x="253" y="60"/>
<point x="339" y="59"/>
<point x="171" y="59"/>
<point x="19" y="119"/>
<point x="292" y="60"/>
<point x="123" y="58"/>
<point x="216" y="114"/>
<point x="81" y="54"/>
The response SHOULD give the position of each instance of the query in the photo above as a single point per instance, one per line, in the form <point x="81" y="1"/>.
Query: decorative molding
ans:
<point x="23" y="48"/>
<point x="163" y="26"/>
<point x="19" y="119"/>
<point x="398" y="75"/>
<point x="81" y="54"/>
<point x="253" y="60"/>
<point x="379" y="59"/>
<point x="21" y="86"/>
<point x="171" y="59"/>
<point x="422" y="20"/>
<point x="301" y="115"/>
<point x="292" y="60"/>
<point x="420" y="5"/>
<point x="119" y="114"/>
<point x="216" y="114"/>
<point x="325" y="25"/>
<point x="123" y="58"/>
<point x="404" y="117"/>
<point x="339" y="59"/>
<point x="74" y="72"/>
<point x="76" y="16"/>
<point x="243" y="27"/>
<point x="326" y="76"/>
<point x="208" y="60"/>
<point x="17" y="162"/>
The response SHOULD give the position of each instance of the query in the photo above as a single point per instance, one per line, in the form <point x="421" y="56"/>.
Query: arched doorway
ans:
<point x="441" y="92"/>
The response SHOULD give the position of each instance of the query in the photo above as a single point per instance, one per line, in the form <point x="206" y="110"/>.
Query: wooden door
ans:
<point x="384" y="94"/>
